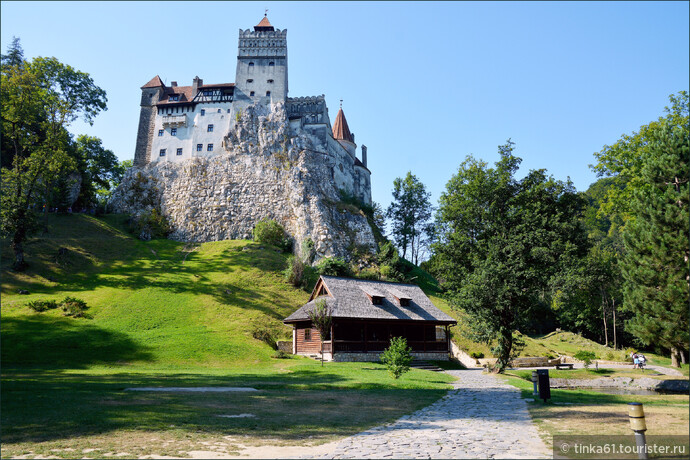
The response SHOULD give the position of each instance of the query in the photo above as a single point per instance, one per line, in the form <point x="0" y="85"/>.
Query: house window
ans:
<point x="173" y="131"/>
<point x="208" y="92"/>
<point x="269" y="81"/>
<point x="209" y="148"/>
<point x="199" y="147"/>
<point x="404" y="302"/>
<point x="203" y="112"/>
<point x="162" y="152"/>
<point x="179" y="151"/>
<point x="209" y="129"/>
<point x="160" y="132"/>
<point x="249" y="80"/>
<point x="271" y="64"/>
<point x="268" y="93"/>
<point x="174" y="97"/>
<point x="307" y="335"/>
<point x="251" y="94"/>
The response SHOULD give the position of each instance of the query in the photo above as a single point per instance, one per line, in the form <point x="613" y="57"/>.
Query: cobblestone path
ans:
<point x="480" y="418"/>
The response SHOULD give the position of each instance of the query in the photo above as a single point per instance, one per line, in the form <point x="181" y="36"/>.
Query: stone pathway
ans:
<point x="480" y="418"/>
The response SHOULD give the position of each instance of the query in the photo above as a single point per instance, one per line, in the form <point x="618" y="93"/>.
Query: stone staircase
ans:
<point x="425" y="365"/>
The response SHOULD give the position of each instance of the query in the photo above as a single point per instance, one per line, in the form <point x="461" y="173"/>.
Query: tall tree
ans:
<point x="322" y="318"/>
<point x="500" y="240"/>
<point x="655" y="264"/>
<point x="39" y="100"/>
<point x="409" y="213"/>
<point x="98" y="167"/>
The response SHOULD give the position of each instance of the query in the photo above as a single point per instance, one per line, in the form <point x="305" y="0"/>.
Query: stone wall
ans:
<point x="265" y="171"/>
<point x="375" y="357"/>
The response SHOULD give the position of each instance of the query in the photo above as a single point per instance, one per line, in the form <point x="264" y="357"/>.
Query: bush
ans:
<point x="628" y="353"/>
<point x="333" y="266"/>
<point x="150" y="225"/>
<point x="73" y="307"/>
<point x="397" y="357"/>
<point x="280" y="354"/>
<point x="266" y="334"/>
<point x="294" y="273"/>
<point x="268" y="231"/>
<point x="42" y="305"/>
<point x="477" y="355"/>
<point x="308" y="252"/>
<point x="586" y="357"/>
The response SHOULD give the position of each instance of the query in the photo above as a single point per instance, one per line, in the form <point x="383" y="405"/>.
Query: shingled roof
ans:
<point x="348" y="299"/>
<point x="263" y="26"/>
<point x="340" y="129"/>
<point x="155" y="82"/>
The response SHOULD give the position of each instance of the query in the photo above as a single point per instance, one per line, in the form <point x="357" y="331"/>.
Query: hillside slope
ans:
<point x="161" y="301"/>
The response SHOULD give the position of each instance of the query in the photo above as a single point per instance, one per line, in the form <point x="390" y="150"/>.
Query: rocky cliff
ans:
<point x="266" y="170"/>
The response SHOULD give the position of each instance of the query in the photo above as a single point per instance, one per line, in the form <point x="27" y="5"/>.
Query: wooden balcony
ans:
<point x="175" y="120"/>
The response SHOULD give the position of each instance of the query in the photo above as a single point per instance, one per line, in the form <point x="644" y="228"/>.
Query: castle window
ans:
<point x="203" y="112"/>
<point x="251" y="64"/>
<point x="173" y="131"/>
<point x="199" y="147"/>
<point x="249" y="80"/>
<point x="251" y="93"/>
<point x="209" y="148"/>
<point x="268" y="93"/>
<point x="160" y="132"/>
<point x="179" y="151"/>
<point x="228" y="110"/>
<point x="271" y="64"/>
<point x="209" y="129"/>
<point x="218" y="110"/>
<point x="162" y="152"/>
<point x="269" y="81"/>
<point x="174" y="97"/>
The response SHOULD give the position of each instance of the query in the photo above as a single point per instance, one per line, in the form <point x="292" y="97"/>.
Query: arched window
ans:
<point x="271" y="64"/>
<point x="251" y="64"/>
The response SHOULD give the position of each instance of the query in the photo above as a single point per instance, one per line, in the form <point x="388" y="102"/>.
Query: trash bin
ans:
<point x="544" y="384"/>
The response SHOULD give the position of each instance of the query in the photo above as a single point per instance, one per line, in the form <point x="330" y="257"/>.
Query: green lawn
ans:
<point x="593" y="374"/>
<point x="163" y="313"/>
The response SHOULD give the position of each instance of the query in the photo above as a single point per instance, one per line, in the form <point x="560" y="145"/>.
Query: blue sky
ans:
<point x="424" y="83"/>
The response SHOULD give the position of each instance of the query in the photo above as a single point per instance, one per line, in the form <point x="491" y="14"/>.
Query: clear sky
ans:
<point x="424" y="83"/>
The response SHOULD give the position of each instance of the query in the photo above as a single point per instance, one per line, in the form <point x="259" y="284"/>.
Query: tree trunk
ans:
<point x="19" y="263"/>
<point x="675" y="360"/>
<point x="613" y="307"/>
<point x="606" y="332"/>
<point x="505" y="342"/>
<point x="682" y="357"/>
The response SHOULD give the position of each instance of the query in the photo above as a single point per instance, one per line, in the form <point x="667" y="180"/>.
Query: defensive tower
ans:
<point x="261" y="74"/>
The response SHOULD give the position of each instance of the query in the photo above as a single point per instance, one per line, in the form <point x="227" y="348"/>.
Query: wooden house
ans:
<point x="366" y="315"/>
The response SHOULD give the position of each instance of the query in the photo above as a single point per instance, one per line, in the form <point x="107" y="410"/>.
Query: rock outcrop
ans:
<point x="267" y="169"/>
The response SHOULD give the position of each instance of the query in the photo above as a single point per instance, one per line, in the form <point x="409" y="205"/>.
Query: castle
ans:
<point x="177" y="123"/>
<point x="217" y="158"/>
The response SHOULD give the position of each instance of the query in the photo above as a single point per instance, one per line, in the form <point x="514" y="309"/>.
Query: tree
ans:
<point x="322" y="317"/>
<point x="98" y="168"/>
<point x="409" y="213"/>
<point x="39" y="100"/>
<point x="14" y="56"/>
<point x="397" y="357"/>
<point x="655" y="263"/>
<point x="500" y="240"/>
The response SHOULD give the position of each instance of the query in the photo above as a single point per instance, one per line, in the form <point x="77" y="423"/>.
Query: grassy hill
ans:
<point x="160" y="301"/>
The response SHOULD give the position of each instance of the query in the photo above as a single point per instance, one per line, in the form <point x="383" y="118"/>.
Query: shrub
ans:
<point x="477" y="355"/>
<point x="73" y="307"/>
<point x="280" y="354"/>
<point x="610" y="356"/>
<point x="266" y="334"/>
<point x="42" y="305"/>
<point x="149" y="225"/>
<point x="586" y="357"/>
<point x="294" y="273"/>
<point x="628" y="353"/>
<point x="268" y="231"/>
<point x="308" y="252"/>
<point x="397" y="357"/>
<point x="333" y="266"/>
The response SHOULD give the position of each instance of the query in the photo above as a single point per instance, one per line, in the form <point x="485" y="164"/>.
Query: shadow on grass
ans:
<point x="51" y="405"/>
<point x="64" y="342"/>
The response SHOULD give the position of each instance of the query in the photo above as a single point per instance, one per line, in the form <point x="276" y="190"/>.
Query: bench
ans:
<point x="564" y="366"/>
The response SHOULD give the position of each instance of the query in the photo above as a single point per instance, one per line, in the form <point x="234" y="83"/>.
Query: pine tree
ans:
<point x="655" y="265"/>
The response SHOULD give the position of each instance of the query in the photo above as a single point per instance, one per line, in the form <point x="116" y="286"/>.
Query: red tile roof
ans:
<point x="340" y="129"/>
<point x="263" y="25"/>
<point x="185" y="93"/>
<point x="154" y="83"/>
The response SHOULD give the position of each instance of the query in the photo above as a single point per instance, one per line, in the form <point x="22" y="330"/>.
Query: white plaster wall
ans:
<point x="194" y="133"/>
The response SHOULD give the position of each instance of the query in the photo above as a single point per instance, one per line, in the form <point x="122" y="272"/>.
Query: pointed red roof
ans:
<point x="263" y="26"/>
<point x="154" y="83"/>
<point x="341" y="131"/>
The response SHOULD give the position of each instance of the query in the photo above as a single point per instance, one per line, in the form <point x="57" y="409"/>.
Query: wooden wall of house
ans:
<point x="311" y="346"/>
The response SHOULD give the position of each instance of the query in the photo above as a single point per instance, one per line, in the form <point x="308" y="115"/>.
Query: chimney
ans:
<point x="364" y="155"/>
<point x="195" y="85"/>
<point x="173" y="83"/>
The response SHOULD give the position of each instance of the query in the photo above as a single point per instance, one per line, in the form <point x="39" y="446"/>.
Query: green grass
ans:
<point x="592" y="374"/>
<point x="164" y="313"/>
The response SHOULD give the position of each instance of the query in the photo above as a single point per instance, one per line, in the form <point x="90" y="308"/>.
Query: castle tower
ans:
<point x="150" y="95"/>
<point x="261" y="74"/>
<point x="342" y="134"/>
